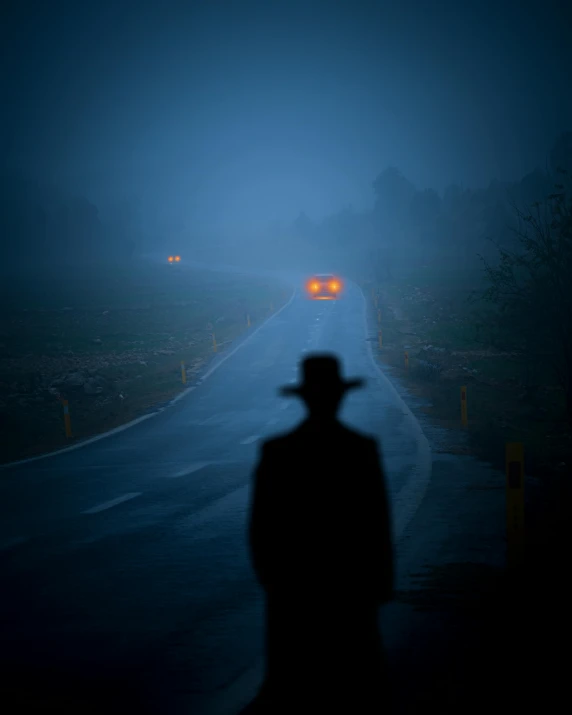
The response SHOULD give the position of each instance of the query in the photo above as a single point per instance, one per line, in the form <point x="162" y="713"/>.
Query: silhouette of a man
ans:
<point x="320" y="542"/>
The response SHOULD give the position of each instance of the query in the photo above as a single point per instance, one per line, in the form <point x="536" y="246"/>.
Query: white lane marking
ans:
<point x="216" y="419"/>
<point x="285" y="405"/>
<point x="411" y="495"/>
<point x="111" y="503"/>
<point x="273" y="421"/>
<point x="182" y="394"/>
<point x="194" y="467"/>
<point x="249" y="338"/>
<point x="250" y="440"/>
<point x="136" y="421"/>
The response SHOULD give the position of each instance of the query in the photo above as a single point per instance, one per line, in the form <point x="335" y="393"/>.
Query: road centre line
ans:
<point x="121" y="428"/>
<point x="250" y="440"/>
<point x="111" y="503"/>
<point x="191" y="468"/>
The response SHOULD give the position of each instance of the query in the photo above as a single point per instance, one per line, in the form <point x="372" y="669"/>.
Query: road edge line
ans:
<point x="177" y="398"/>
<point x="410" y="496"/>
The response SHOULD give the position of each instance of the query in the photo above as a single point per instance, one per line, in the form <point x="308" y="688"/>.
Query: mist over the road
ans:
<point x="420" y="153"/>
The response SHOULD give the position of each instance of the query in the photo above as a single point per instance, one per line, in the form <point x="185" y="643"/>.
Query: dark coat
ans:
<point x="320" y="541"/>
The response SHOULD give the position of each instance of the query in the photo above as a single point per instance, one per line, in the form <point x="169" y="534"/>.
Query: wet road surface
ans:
<point x="128" y="556"/>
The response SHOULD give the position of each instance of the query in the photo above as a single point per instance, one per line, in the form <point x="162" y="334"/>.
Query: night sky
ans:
<point x="244" y="113"/>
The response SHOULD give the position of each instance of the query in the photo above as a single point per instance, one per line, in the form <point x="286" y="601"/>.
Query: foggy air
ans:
<point x="285" y="355"/>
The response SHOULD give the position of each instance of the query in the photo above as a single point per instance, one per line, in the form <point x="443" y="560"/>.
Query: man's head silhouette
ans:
<point x="322" y="388"/>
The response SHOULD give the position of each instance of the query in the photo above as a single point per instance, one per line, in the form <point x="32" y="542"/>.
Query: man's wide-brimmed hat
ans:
<point x="321" y="376"/>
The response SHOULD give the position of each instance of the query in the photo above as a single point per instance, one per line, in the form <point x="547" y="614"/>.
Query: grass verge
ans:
<point x="111" y="340"/>
<point x="428" y="316"/>
<point x="492" y="623"/>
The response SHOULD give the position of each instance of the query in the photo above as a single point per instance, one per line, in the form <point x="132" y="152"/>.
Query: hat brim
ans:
<point x="342" y="387"/>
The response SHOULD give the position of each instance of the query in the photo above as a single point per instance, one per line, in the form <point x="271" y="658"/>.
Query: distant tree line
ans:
<point x="40" y="225"/>
<point x="412" y="226"/>
<point x="527" y="304"/>
<point x="519" y="234"/>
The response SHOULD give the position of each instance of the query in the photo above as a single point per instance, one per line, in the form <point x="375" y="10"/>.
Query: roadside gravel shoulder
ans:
<point x="463" y="635"/>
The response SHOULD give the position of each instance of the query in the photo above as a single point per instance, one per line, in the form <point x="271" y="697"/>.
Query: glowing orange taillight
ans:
<point x="334" y="287"/>
<point x="177" y="258"/>
<point x="171" y="259"/>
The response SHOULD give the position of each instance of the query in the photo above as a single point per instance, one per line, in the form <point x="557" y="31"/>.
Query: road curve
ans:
<point x="128" y="554"/>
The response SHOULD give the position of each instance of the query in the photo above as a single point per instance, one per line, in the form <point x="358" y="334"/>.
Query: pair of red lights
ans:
<point x="332" y="286"/>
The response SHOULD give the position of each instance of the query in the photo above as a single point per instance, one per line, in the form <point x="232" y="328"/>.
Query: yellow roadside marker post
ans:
<point x="407" y="361"/>
<point x="464" y="406"/>
<point x="379" y="338"/>
<point x="515" y="503"/>
<point x="379" y="315"/>
<point x="247" y="320"/>
<point x="183" y="373"/>
<point x="214" y="343"/>
<point x="67" y="420"/>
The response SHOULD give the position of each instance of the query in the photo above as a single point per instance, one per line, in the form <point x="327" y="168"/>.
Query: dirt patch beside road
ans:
<point x="477" y="628"/>
<point x="433" y="322"/>
<point x="112" y="342"/>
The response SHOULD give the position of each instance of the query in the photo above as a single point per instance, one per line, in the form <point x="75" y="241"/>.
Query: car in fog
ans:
<point x="324" y="286"/>
<point x="174" y="259"/>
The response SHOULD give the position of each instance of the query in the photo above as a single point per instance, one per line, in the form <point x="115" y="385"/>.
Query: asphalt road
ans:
<point x="127" y="558"/>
